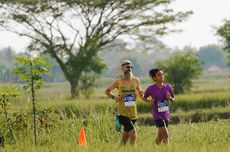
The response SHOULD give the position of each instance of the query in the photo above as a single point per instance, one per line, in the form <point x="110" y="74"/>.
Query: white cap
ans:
<point x="125" y="62"/>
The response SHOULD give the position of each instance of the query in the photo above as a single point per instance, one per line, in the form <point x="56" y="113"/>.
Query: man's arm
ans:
<point x="145" y="99"/>
<point x="111" y="87"/>
<point x="139" y="89"/>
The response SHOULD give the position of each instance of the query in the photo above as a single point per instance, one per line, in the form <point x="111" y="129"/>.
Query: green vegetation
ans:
<point x="223" y="32"/>
<point x="199" y="117"/>
<point x="30" y="71"/>
<point x="180" y="69"/>
<point x="200" y="121"/>
<point x="212" y="55"/>
<point x="112" y="59"/>
<point x="6" y="93"/>
<point x="91" y="24"/>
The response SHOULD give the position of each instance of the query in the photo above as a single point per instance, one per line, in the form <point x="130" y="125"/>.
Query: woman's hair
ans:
<point x="153" y="72"/>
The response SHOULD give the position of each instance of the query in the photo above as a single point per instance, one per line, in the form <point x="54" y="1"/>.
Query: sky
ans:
<point x="197" y="31"/>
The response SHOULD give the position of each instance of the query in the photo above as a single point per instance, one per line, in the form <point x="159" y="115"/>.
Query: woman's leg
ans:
<point x="162" y="134"/>
<point x="157" y="140"/>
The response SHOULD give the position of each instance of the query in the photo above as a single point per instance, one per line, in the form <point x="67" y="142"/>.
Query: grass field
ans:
<point x="200" y="121"/>
<point x="207" y="137"/>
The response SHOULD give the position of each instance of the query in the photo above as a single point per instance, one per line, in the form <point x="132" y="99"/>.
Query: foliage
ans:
<point x="224" y="32"/>
<point x="87" y="84"/>
<point x="211" y="55"/>
<point x="200" y="121"/>
<point x="180" y="70"/>
<point x="30" y="70"/>
<point x="54" y="70"/>
<point x="64" y="125"/>
<point x="7" y="64"/>
<point x="74" y="31"/>
<point x="6" y="94"/>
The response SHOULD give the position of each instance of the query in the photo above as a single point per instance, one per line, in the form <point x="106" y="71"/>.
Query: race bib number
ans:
<point x="162" y="105"/>
<point x="130" y="100"/>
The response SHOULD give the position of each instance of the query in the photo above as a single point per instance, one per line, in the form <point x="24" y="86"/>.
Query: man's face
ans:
<point x="127" y="69"/>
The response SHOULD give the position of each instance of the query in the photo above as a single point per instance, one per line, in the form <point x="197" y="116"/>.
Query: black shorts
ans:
<point x="161" y="123"/>
<point x="127" y="123"/>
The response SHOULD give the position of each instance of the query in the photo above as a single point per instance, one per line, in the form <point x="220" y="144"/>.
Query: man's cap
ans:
<point x="126" y="62"/>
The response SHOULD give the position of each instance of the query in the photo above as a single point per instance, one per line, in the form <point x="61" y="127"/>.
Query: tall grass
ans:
<point x="101" y="136"/>
<point x="63" y="117"/>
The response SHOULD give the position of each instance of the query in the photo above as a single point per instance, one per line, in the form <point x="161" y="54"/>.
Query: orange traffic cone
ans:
<point x="82" y="138"/>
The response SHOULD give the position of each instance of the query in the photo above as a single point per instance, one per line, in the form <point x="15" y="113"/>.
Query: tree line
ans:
<point x="75" y="32"/>
<point x="142" y="61"/>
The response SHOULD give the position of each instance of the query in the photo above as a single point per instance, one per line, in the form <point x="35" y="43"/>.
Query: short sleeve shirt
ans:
<point x="160" y="108"/>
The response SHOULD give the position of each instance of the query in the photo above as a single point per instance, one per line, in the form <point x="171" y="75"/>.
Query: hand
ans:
<point x="117" y="98"/>
<point x="148" y="100"/>
<point x="152" y="101"/>
<point x="168" y="96"/>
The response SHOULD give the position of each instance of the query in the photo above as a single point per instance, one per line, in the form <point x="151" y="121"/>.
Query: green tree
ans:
<point x="55" y="70"/>
<point x="180" y="69"/>
<point x="224" y="32"/>
<point x="211" y="55"/>
<point x="30" y="71"/>
<point x="74" y="31"/>
<point x="87" y="84"/>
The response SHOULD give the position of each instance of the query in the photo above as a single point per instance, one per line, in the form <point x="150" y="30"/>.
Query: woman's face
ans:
<point x="159" y="76"/>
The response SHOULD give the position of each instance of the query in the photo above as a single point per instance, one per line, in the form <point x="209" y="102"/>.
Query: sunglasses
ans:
<point x="129" y="67"/>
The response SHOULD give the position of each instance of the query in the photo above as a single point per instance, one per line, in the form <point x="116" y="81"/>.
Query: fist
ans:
<point x="168" y="96"/>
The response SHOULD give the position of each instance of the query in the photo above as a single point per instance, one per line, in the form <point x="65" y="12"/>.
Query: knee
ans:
<point x="133" y="134"/>
<point x="125" y="135"/>
<point x="165" y="137"/>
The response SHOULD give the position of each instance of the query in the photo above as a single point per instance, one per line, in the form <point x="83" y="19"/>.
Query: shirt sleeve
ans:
<point x="147" y="93"/>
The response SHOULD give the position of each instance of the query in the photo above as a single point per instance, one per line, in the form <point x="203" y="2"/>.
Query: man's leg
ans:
<point x="132" y="136"/>
<point x="124" y="137"/>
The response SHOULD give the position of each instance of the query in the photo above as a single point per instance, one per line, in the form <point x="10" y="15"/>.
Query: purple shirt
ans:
<point x="159" y="95"/>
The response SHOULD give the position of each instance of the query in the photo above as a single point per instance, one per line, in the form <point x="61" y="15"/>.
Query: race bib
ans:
<point x="162" y="105"/>
<point x="130" y="100"/>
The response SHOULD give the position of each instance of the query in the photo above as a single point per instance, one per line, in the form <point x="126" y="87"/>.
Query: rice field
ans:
<point x="200" y="122"/>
